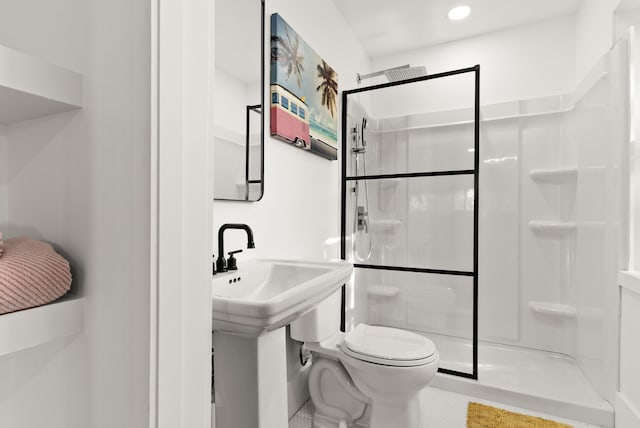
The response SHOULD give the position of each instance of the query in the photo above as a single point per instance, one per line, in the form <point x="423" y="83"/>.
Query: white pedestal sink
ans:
<point x="251" y="307"/>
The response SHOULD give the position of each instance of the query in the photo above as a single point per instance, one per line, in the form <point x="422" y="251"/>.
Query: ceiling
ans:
<point x="386" y="27"/>
<point x="383" y="27"/>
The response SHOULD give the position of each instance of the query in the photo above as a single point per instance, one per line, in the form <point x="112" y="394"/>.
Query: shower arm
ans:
<point x="360" y="77"/>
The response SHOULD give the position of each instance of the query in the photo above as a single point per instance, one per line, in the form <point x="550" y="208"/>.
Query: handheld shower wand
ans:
<point x="361" y="211"/>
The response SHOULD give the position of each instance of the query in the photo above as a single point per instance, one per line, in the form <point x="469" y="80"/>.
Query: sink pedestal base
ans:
<point x="251" y="380"/>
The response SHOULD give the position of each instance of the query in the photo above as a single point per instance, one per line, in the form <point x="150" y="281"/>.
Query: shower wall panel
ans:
<point x="546" y="265"/>
<point x="522" y="268"/>
<point x="498" y="276"/>
<point x="600" y="128"/>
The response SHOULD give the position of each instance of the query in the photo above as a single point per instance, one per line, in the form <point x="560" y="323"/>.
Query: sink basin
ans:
<point x="264" y="295"/>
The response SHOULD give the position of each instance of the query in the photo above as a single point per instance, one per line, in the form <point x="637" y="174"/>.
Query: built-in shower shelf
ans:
<point x="31" y="87"/>
<point x="553" y="309"/>
<point x="384" y="225"/>
<point x="554" y="175"/>
<point x="558" y="228"/>
<point x="383" y="291"/>
<point x="389" y="183"/>
<point x="31" y="327"/>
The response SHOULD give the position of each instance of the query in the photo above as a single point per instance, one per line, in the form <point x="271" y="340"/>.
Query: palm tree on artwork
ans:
<point x="287" y="54"/>
<point x="328" y="86"/>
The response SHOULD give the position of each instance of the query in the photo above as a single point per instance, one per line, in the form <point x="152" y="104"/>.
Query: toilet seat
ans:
<point x="388" y="346"/>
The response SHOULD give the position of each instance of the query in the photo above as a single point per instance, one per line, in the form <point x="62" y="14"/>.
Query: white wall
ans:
<point x="594" y="33"/>
<point x="627" y="403"/>
<point x="628" y="399"/>
<point x="4" y="164"/>
<point x="525" y="62"/>
<point x="81" y="180"/>
<point x="300" y="207"/>
<point x="627" y="16"/>
<point x="182" y="198"/>
<point x="634" y="165"/>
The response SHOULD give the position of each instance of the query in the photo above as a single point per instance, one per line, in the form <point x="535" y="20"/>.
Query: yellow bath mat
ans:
<point x="481" y="416"/>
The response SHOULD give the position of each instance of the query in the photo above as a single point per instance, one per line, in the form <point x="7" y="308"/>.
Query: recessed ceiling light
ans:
<point x="459" y="12"/>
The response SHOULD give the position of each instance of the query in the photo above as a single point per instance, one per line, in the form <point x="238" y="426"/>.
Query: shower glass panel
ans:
<point x="409" y="210"/>
<point x="421" y="222"/>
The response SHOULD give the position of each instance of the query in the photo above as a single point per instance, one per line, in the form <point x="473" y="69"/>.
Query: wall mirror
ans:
<point x="238" y="99"/>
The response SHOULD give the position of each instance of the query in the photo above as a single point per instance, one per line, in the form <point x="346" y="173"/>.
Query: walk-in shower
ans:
<point x="410" y="222"/>
<point x="495" y="235"/>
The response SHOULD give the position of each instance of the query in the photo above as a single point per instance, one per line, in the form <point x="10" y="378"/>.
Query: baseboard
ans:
<point x="627" y="416"/>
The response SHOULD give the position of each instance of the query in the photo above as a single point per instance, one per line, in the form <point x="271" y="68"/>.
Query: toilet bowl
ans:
<point x="371" y="377"/>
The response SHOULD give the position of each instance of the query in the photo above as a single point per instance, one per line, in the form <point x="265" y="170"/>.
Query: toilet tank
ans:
<point x="321" y="322"/>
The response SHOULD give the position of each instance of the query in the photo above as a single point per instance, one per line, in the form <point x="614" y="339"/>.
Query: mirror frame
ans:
<point x="259" y="108"/>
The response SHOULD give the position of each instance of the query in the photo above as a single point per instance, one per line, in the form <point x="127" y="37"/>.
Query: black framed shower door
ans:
<point x="349" y="181"/>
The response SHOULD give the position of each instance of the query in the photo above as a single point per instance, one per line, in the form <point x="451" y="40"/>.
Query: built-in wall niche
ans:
<point x="31" y="87"/>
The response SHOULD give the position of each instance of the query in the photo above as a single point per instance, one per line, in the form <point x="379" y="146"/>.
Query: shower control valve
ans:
<point x="363" y="219"/>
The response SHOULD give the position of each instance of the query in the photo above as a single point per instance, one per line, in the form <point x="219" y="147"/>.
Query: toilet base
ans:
<point x="395" y="413"/>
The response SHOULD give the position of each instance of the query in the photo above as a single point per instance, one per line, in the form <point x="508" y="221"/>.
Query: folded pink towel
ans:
<point x="31" y="274"/>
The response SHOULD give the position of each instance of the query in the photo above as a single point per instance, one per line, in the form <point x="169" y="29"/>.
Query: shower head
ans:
<point x="396" y="74"/>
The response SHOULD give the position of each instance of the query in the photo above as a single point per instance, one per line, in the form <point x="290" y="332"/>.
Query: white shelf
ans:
<point x="552" y="227"/>
<point x="383" y="291"/>
<point x="384" y="225"/>
<point x="31" y="327"/>
<point x="554" y="175"/>
<point x="32" y="88"/>
<point x="629" y="280"/>
<point x="553" y="309"/>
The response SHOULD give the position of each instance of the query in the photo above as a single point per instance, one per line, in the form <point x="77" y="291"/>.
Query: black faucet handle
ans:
<point x="221" y="264"/>
<point x="231" y="262"/>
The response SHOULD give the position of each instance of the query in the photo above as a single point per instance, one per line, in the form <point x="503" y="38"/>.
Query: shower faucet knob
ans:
<point x="363" y="222"/>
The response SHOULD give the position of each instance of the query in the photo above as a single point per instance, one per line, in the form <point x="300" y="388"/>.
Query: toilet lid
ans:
<point x="388" y="345"/>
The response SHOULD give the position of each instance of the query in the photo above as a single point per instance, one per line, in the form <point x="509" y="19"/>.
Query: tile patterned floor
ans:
<point x="303" y="417"/>
<point x="443" y="410"/>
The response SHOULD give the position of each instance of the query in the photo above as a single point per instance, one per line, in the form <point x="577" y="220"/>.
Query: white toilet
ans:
<point x="371" y="377"/>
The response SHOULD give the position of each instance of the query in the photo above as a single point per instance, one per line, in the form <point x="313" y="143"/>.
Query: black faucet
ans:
<point x="221" y="263"/>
